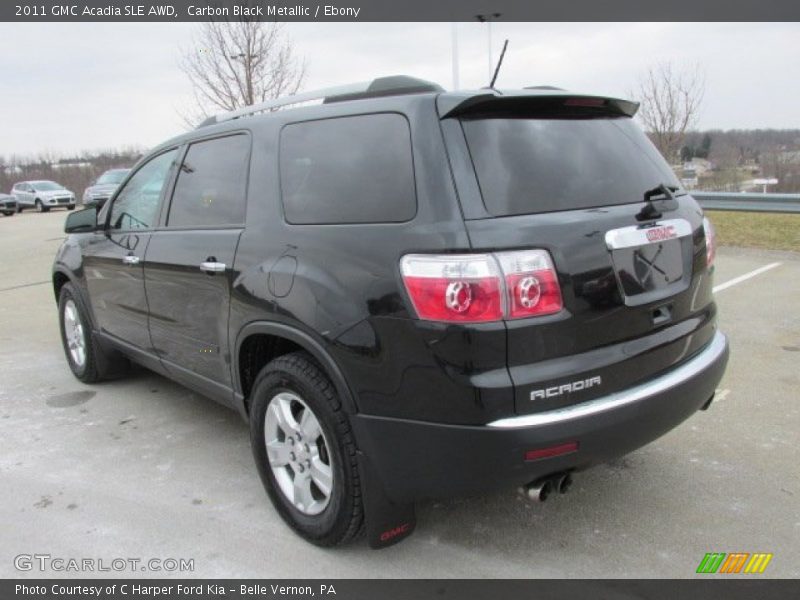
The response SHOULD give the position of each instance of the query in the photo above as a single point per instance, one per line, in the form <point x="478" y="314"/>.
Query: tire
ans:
<point x="41" y="207"/>
<point x="295" y="382"/>
<point x="19" y="209"/>
<point x="9" y="213"/>
<point x="71" y="207"/>
<point x="87" y="359"/>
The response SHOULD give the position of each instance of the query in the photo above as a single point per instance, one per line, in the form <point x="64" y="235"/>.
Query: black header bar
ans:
<point x="398" y="10"/>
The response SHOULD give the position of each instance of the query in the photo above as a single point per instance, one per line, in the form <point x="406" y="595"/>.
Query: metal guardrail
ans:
<point x="779" y="203"/>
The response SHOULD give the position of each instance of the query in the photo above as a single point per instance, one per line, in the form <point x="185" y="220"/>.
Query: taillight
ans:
<point x="531" y="283"/>
<point x="454" y="288"/>
<point x="711" y="241"/>
<point x="481" y="287"/>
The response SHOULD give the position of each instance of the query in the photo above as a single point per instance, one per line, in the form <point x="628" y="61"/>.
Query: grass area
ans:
<point x="757" y="230"/>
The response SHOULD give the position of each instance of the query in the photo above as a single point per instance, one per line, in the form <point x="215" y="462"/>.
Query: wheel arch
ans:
<point x="62" y="276"/>
<point x="295" y="339"/>
<point x="60" y="279"/>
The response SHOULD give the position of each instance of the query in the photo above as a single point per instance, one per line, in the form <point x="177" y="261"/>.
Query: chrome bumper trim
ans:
<point x="645" y="390"/>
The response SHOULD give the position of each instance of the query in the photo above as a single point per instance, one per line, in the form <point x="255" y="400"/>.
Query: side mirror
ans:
<point x="81" y="221"/>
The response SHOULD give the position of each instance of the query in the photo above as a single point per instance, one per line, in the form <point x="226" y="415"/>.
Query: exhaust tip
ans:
<point x="564" y="484"/>
<point x="538" y="491"/>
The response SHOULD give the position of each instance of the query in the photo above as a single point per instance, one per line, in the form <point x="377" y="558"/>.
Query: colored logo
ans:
<point x="734" y="562"/>
<point x="660" y="234"/>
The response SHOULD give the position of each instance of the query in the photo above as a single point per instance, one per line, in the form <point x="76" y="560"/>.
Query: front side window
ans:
<point x="136" y="205"/>
<point x="348" y="170"/>
<point x="112" y="177"/>
<point x="212" y="184"/>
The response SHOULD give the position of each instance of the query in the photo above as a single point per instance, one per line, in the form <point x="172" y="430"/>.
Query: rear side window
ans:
<point x="527" y="166"/>
<point x="212" y="184"/>
<point x="348" y="170"/>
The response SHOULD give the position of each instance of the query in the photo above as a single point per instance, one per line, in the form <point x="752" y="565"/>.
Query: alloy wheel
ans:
<point x="298" y="453"/>
<point x="74" y="334"/>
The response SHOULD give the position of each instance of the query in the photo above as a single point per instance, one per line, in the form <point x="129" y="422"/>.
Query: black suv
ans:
<point x="408" y="293"/>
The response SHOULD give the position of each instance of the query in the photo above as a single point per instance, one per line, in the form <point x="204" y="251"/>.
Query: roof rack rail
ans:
<point x="383" y="86"/>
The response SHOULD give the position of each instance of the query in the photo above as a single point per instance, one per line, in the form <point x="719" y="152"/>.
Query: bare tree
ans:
<point x="670" y="101"/>
<point x="235" y="64"/>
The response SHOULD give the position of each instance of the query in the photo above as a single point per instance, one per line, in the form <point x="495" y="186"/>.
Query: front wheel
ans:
<point x="71" y="207"/>
<point x="87" y="360"/>
<point x="9" y="213"/>
<point x="305" y="452"/>
<point x="41" y="207"/>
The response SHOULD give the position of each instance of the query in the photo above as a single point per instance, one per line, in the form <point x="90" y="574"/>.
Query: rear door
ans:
<point x="113" y="259"/>
<point x="188" y="269"/>
<point x="633" y="276"/>
<point x="24" y="194"/>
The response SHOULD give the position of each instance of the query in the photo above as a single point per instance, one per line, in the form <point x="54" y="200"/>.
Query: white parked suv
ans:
<point x="42" y="195"/>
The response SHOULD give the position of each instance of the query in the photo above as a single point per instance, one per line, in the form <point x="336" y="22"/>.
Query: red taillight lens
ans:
<point x="711" y="241"/>
<point x="482" y="287"/>
<point x="464" y="288"/>
<point x="531" y="283"/>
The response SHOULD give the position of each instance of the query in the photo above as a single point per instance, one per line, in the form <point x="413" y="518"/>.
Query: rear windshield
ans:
<point x="527" y="166"/>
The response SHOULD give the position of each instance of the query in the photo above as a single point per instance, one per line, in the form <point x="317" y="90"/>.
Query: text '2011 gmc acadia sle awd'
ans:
<point x="408" y="293"/>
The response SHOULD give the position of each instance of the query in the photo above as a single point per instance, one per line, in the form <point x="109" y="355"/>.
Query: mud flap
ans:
<point x="386" y="522"/>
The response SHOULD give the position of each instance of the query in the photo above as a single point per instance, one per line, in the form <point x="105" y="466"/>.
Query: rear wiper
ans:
<point x="650" y="212"/>
<point x="662" y="189"/>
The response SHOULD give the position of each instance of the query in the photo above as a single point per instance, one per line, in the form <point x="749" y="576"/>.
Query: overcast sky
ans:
<point x="71" y="87"/>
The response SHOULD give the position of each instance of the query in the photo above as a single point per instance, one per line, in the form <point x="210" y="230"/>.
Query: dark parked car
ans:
<point x="8" y="204"/>
<point x="102" y="189"/>
<point x="408" y="293"/>
<point x="42" y="195"/>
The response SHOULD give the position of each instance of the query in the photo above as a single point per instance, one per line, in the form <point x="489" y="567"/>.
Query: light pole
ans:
<point x="454" y="40"/>
<point x="488" y="18"/>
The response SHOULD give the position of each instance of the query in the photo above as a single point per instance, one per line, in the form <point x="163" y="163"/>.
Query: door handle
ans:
<point x="212" y="267"/>
<point x="130" y="259"/>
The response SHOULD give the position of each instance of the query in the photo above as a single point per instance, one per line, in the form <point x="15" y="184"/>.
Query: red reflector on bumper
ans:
<point x="551" y="451"/>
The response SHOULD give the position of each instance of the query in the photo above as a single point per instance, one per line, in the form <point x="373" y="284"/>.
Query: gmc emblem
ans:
<point x="660" y="234"/>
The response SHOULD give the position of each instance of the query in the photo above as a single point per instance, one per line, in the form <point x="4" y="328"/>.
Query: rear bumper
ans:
<point x="419" y="460"/>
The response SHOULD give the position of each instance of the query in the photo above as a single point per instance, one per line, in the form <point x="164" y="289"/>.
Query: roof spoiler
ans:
<point x="541" y="103"/>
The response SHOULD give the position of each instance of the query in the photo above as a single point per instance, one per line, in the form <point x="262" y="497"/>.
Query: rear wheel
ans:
<point x="87" y="359"/>
<point x="305" y="452"/>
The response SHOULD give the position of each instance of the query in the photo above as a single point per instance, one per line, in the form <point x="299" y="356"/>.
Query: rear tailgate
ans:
<point x="636" y="288"/>
<point x="604" y="340"/>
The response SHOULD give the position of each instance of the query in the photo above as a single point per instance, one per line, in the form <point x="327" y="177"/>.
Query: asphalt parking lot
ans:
<point x="145" y="468"/>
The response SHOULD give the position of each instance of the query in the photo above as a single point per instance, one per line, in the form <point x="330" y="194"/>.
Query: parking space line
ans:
<point x="23" y="285"/>
<point x="745" y="277"/>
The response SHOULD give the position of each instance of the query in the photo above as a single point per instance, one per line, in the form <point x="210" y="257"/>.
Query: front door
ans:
<point x="114" y="258"/>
